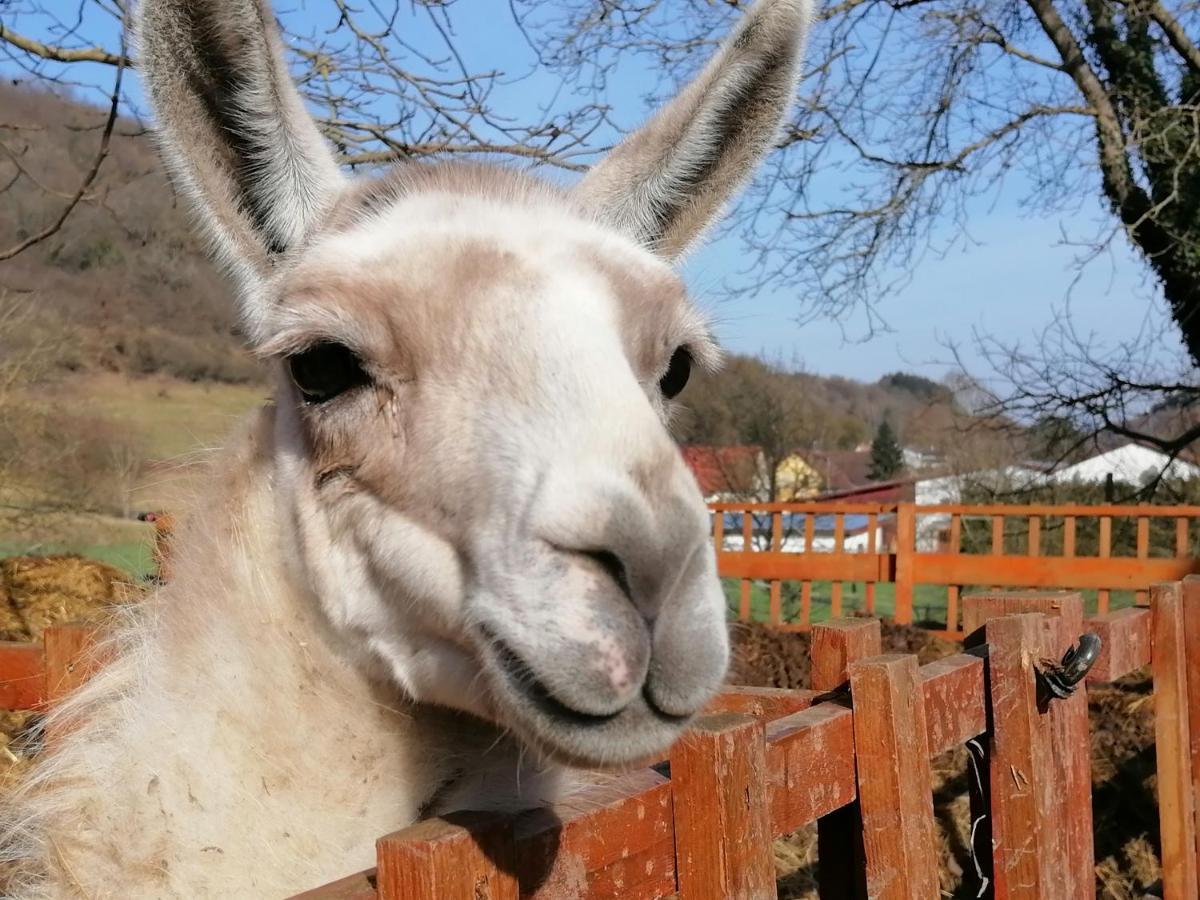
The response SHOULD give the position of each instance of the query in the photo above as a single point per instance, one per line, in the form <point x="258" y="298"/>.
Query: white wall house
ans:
<point x="1131" y="463"/>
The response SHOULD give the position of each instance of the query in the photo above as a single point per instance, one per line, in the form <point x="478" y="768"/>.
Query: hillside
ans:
<point x="120" y="355"/>
<point x="124" y="286"/>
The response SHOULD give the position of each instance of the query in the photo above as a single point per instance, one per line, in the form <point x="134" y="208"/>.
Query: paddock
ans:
<point x="851" y="754"/>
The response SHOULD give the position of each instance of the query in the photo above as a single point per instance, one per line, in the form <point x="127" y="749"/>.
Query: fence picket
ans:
<point x="1026" y="818"/>
<point x="1191" y="638"/>
<point x="1176" y="801"/>
<point x="722" y="818"/>
<point x="841" y="865"/>
<point x="895" y="783"/>
<point x="461" y="855"/>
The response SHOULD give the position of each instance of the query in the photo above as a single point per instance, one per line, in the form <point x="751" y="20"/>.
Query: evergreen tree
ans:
<point x="887" y="459"/>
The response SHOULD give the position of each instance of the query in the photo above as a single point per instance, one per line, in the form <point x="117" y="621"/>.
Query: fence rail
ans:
<point x="851" y="755"/>
<point x="1100" y="548"/>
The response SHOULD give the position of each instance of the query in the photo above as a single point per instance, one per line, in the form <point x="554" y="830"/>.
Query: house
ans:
<point x="796" y="479"/>
<point x="726" y="473"/>
<point x="841" y="470"/>
<point x="1131" y="463"/>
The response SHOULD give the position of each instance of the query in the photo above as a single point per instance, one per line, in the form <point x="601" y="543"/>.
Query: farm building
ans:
<point x="1131" y="463"/>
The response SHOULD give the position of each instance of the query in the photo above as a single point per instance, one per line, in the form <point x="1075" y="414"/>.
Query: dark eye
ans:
<point x="326" y="370"/>
<point x="678" y="371"/>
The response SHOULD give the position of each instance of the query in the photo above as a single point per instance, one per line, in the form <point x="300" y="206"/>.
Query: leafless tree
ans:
<point x="915" y="114"/>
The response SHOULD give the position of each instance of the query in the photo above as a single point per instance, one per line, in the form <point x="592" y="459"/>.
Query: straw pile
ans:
<point x="38" y="591"/>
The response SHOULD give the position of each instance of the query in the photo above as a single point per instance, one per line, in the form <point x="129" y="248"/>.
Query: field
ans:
<point x="165" y="426"/>
<point x="172" y="419"/>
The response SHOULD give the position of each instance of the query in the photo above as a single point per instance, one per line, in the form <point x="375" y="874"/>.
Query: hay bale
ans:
<point x="47" y="590"/>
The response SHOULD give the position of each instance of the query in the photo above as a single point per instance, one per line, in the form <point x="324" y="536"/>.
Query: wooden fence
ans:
<point x="851" y="755"/>
<point x="1001" y="546"/>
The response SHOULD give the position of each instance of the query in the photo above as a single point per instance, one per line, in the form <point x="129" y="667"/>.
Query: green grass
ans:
<point x="929" y="600"/>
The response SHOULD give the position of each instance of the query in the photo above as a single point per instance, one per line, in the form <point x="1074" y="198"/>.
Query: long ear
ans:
<point x="667" y="182"/>
<point x="234" y="132"/>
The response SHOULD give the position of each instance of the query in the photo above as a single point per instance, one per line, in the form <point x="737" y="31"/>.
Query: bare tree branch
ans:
<point x="88" y="179"/>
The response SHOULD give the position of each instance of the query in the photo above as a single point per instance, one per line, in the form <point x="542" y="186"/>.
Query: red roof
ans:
<point x="723" y="470"/>
<point x="840" y="470"/>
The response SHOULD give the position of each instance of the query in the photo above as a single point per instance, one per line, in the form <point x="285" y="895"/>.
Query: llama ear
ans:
<point x="667" y="182"/>
<point x="233" y="131"/>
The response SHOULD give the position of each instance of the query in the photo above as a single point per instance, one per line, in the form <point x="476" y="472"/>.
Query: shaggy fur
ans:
<point x="480" y="564"/>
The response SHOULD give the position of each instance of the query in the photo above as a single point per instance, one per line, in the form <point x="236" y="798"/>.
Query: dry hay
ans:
<point x="38" y="591"/>
<point x="1123" y="772"/>
<point x="15" y="745"/>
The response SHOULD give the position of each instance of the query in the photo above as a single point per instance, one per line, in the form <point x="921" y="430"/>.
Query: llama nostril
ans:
<point x="612" y="566"/>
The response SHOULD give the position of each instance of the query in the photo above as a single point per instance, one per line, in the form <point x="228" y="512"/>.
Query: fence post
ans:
<point x="1028" y="837"/>
<point x="906" y="549"/>
<point x="1070" y="743"/>
<point x="460" y="855"/>
<point x="895" y="784"/>
<point x="722" y="817"/>
<point x="1191" y="645"/>
<point x="69" y="661"/>
<point x="1172" y="742"/>
<point x="841" y="865"/>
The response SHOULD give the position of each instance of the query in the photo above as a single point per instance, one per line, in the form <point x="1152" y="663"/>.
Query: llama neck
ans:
<point x="235" y="743"/>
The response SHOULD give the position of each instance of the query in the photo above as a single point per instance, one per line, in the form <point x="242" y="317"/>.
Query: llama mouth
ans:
<point x="523" y="681"/>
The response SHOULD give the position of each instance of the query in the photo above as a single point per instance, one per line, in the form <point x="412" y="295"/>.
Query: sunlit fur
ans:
<point x="447" y="587"/>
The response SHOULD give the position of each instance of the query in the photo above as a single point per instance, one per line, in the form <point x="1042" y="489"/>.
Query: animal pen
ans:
<point x="851" y="754"/>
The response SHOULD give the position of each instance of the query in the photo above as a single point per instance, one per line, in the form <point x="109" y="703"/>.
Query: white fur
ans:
<point x="444" y="587"/>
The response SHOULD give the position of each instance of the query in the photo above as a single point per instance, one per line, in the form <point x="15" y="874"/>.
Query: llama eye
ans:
<point x="678" y="371"/>
<point x="326" y="370"/>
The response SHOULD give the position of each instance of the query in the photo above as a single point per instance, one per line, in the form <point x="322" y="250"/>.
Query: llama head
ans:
<point x="475" y="370"/>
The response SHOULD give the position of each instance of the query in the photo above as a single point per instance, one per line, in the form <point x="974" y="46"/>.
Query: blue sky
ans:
<point x="1008" y="280"/>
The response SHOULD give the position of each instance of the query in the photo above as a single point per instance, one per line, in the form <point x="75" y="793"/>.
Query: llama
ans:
<point x="458" y="556"/>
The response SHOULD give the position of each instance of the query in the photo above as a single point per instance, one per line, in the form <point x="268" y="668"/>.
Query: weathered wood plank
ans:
<point x="1026" y="808"/>
<point x="841" y="864"/>
<point x="22" y="675"/>
<point x="955" y="705"/>
<point x="810" y="765"/>
<point x="1191" y="647"/>
<point x="894" y="779"/>
<point x="981" y="607"/>
<point x="837" y="643"/>
<point x="722" y="819"/>
<point x="1172" y="742"/>
<point x="614" y="840"/>
<point x="762" y="703"/>
<point x="470" y="855"/>
<point x="1126" y="638"/>
<point x="71" y="659"/>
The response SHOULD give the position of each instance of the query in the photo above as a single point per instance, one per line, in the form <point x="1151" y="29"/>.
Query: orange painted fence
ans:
<point x="1022" y="547"/>
<point x="853" y="758"/>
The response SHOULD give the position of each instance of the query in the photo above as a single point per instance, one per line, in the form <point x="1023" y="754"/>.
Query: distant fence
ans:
<point x="1103" y="548"/>
<point x="852" y="755"/>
